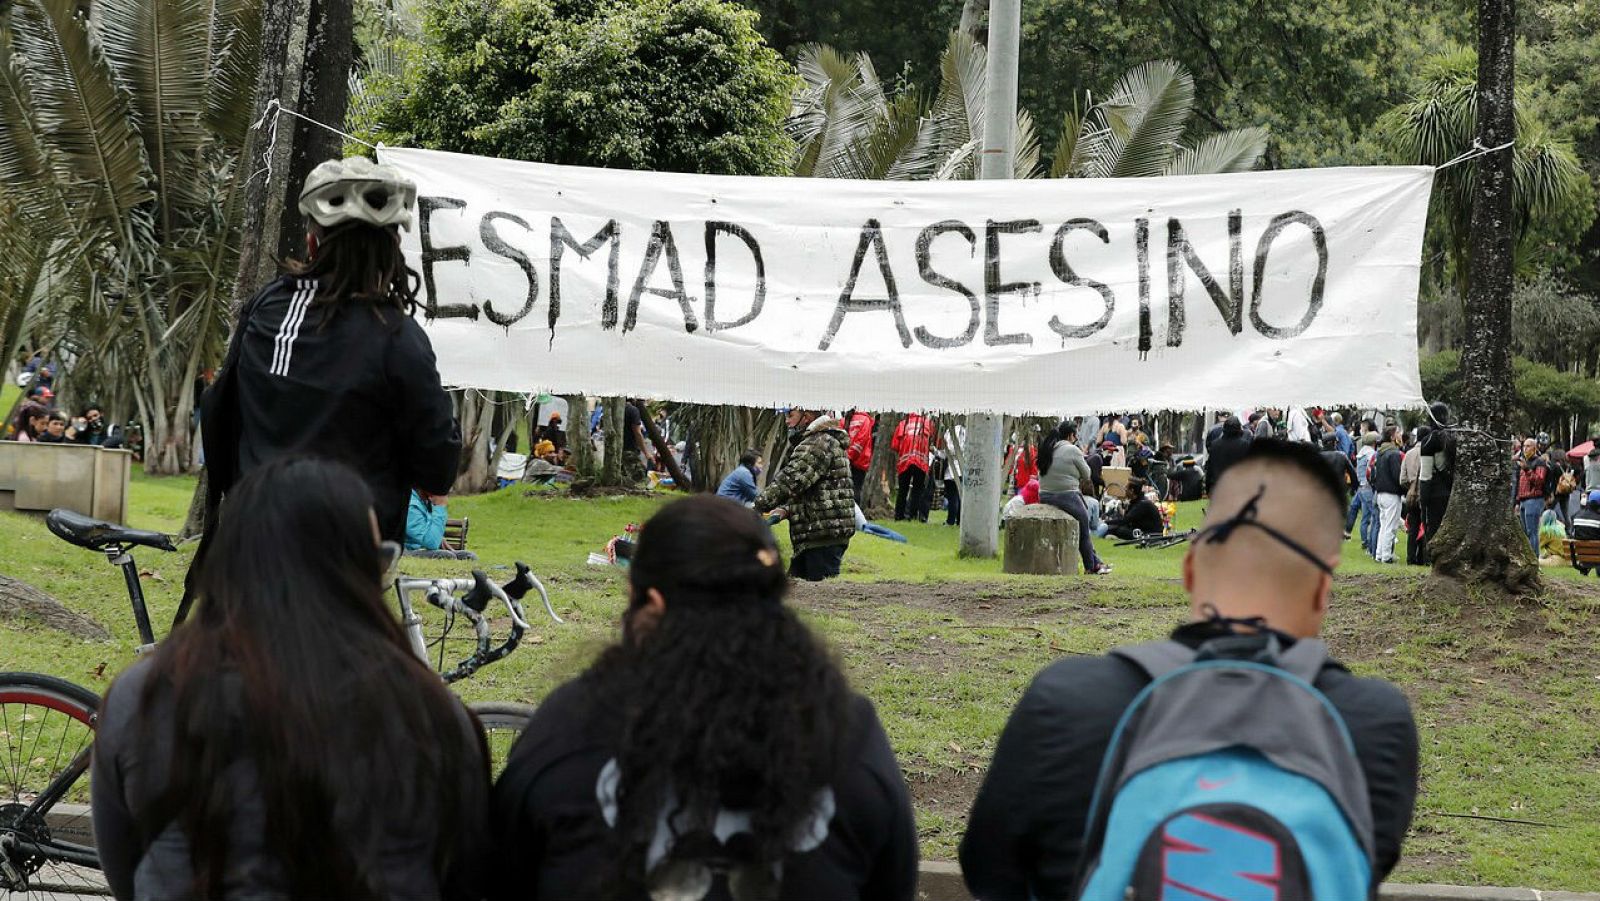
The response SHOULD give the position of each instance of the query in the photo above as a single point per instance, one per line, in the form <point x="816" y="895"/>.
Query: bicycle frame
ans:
<point x="121" y="557"/>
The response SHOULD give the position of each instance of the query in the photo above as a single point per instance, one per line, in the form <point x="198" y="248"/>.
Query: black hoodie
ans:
<point x="345" y="383"/>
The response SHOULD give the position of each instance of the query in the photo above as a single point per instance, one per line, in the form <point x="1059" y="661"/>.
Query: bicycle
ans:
<point x="47" y="724"/>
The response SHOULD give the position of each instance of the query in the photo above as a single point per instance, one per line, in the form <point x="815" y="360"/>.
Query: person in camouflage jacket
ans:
<point x="815" y="490"/>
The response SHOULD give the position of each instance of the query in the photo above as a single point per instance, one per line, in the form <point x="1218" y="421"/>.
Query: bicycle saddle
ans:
<point x="96" y="534"/>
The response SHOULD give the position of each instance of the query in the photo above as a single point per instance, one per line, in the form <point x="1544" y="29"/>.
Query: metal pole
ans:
<point x="983" y="478"/>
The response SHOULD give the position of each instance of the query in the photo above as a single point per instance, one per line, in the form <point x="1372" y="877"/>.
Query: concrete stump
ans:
<point x="1041" y="540"/>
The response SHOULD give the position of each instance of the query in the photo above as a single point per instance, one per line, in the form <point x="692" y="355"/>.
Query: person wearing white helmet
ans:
<point x="327" y="361"/>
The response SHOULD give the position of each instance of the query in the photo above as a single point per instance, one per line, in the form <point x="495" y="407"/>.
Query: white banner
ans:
<point x="1295" y="287"/>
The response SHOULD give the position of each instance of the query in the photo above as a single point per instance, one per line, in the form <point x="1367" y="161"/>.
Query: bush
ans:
<point x="670" y="85"/>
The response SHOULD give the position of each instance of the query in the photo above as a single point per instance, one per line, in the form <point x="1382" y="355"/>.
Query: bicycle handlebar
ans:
<point x="475" y="595"/>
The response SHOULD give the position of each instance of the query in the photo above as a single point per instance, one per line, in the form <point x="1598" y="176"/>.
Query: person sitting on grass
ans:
<point x="425" y="522"/>
<point x="285" y="742"/>
<point x="1139" y="514"/>
<point x="740" y="485"/>
<point x="715" y="751"/>
<point x="1263" y="569"/>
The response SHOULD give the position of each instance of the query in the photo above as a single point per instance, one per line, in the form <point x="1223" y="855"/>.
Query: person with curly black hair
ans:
<point x="716" y="751"/>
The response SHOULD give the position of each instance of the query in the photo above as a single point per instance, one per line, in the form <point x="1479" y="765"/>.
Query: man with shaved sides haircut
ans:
<point x="1264" y="561"/>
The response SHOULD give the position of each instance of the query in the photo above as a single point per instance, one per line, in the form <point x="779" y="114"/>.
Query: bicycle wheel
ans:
<point x="503" y="723"/>
<point x="46" y="838"/>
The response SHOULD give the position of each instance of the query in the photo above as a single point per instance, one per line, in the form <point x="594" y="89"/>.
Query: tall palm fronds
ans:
<point x="847" y="125"/>
<point x="120" y="140"/>
<point x="1440" y="122"/>
<point x="1137" y="131"/>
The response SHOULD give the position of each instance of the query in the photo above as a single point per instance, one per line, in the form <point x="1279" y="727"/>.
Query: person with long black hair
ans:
<point x="1063" y="471"/>
<point x="285" y="742"/>
<point x="716" y="751"/>
<point x="327" y="360"/>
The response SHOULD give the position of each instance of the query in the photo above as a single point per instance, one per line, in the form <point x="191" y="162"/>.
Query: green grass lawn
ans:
<point x="1507" y="695"/>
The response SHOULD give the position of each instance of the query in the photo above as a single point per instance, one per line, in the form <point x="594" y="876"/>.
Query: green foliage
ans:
<point x="1552" y="323"/>
<point x="674" y="85"/>
<point x="1441" y="375"/>
<point x="1316" y="75"/>
<point x="1554" y="201"/>
<point x="1546" y="398"/>
<point x="1560" y="56"/>
<point x="904" y="36"/>
<point x="1137" y="131"/>
<point x="847" y="125"/>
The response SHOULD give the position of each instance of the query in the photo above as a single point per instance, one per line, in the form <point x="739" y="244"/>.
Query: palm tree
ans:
<point x="120" y="139"/>
<point x="846" y="125"/>
<point x="1441" y="121"/>
<point x="1138" y="130"/>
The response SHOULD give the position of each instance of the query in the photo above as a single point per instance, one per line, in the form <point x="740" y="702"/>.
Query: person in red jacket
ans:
<point x="859" y="426"/>
<point x="1027" y="468"/>
<point x="911" y="440"/>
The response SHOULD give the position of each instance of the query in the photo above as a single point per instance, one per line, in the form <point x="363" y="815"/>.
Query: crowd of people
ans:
<point x="39" y="419"/>
<point x="286" y="742"/>
<point x="1556" y="494"/>
<point x="1402" y="479"/>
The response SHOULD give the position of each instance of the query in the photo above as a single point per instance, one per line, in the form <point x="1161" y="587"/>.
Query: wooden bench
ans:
<point x="1585" y="555"/>
<point x="455" y="535"/>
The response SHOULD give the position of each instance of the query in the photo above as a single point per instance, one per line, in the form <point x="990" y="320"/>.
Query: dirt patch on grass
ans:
<point x="977" y="603"/>
<point x="944" y="790"/>
<point x="1469" y="635"/>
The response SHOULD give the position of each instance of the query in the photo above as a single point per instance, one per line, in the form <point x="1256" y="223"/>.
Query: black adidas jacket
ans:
<point x="1026" y="829"/>
<point x="349" y="384"/>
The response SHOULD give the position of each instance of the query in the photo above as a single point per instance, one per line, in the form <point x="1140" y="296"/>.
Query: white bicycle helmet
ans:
<point x="358" y="190"/>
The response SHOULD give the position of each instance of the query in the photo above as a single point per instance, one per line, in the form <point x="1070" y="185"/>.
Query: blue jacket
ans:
<point x="739" y="485"/>
<point x="424" y="525"/>
<point x="1347" y="445"/>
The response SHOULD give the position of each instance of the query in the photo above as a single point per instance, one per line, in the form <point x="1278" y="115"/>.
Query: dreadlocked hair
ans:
<point x="728" y="701"/>
<point x="360" y="264"/>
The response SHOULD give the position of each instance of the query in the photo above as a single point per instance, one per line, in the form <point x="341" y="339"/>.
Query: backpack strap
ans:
<point x="1304" y="659"/>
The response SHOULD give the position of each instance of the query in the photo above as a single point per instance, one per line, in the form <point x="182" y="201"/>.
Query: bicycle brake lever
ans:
<point x="481" y="592"/>
<point x="520" y="584"/>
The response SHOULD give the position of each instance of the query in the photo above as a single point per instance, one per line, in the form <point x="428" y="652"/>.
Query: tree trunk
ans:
<point x="877" y="497"/>
<point x="664" y="453"/>
<point x="611" y="469"/>
<point x="477" y="425"/>
<point x="508" y="424"/>
<point x="194" y="524"/>
<point x="1480" y="540"/>
<point x="578" y="441"/>
<point x="21" y="601"/>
